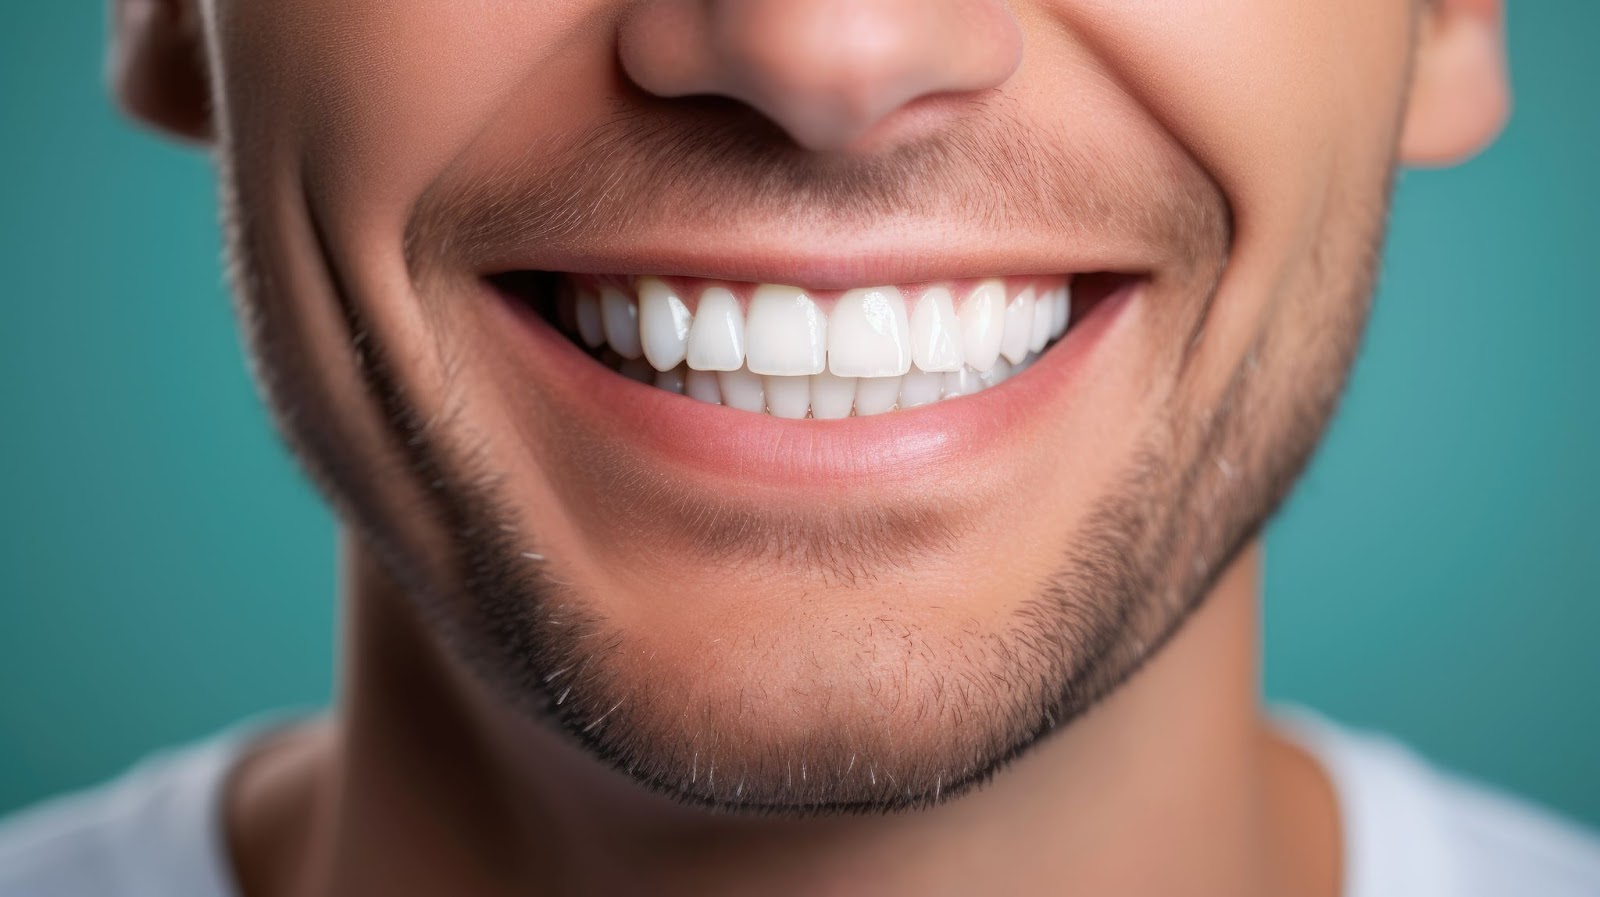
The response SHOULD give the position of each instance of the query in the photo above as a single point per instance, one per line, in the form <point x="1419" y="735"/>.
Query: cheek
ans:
<point x="370" y="99"/>
<point x="1291" y="107"/>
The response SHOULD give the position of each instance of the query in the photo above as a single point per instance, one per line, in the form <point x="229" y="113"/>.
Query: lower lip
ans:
<point x="713" y="440"/>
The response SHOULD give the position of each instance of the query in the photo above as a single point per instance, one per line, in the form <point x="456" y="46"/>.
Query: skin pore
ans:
<point x="577" y="662"/>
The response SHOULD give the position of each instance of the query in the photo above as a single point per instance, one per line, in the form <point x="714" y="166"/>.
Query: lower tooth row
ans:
<point x="821" y="396"/>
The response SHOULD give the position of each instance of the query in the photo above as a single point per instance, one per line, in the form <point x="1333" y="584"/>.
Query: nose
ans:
<point x="828" y="72"/>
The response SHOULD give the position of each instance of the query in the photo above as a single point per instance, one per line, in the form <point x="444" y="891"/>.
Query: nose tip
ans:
<point x="828" y="72"/>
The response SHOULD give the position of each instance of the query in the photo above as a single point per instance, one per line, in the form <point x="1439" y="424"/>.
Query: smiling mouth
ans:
<point x="795" y="353"/>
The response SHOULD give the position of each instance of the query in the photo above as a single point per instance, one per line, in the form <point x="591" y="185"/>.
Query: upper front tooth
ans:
<point x="983" y="324"/>
<point x="1019" y="327"/>
<point x="785" y="332"/>
<point x="716" y="338"/>
<point x="663" y="323"/>
<point x="868" y="334"/>
<point x="591" y="323"/>
<point x="1044" y="311"/>
<point x="936" y="332"/>
<point x="621" y="318"/>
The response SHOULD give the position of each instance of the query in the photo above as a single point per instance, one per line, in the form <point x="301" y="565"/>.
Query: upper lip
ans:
<point x="834" y="263"/>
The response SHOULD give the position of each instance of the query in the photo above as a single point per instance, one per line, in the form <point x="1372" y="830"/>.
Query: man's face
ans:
<point x="868" y="609"/>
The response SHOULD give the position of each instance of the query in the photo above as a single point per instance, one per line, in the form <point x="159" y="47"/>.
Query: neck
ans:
<point x="419" y="783"/>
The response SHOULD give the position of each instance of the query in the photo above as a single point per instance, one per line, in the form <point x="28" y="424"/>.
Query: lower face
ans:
<point x="736" y="473"/>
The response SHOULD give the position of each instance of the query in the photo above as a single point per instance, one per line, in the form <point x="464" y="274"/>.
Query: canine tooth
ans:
<point x="1061" y="308"/>
<point x="742" y="389"/>
<point x="638" y="369"/>
<point x="788" y="397"/>
<point x="1043" y="314"/>
<point x="702" y="386"/>
<point x="936" y="332"/>
<point x="785" y="332"/>
<point x="716" y="338"/>
<point x="671" y="381"/>
<point x="1019" y="327"/>
<point x="995" y="375"/>
<point x="663" y="323"/>
<point x="964" y="382"/>
<point x="919" y="387"/>
<point x="868" y="334"/>
<point x="591" y="325"/>
<point x="621" y="317"/>
<point x="983" y="323"/>
<point x="875" y="395"/>
<point x="831" y="396"/>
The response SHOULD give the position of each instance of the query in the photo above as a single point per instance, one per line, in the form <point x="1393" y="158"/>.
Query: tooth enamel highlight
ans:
<point x="702" y="386"/>
<point x="875" y="395"/>
<point x="591" y="326"/>
<point x="1019" y="327"/>
<point x="868" y="334"/>
<point x="983" y="322"/>
<point x="788" y="397"/>
<point x="1062" y="304"/>
<point x="785" y="332"/>
<point x="716" y="338"/>
<point x="1043" y="313"/>
<point x="832" y="396"/>
<point x="936" y="332"/>
<point x="663" y="324"/>
<point x="919" y="387"/>
<point x="742" y="389"/>
<point x="621" y="318"/>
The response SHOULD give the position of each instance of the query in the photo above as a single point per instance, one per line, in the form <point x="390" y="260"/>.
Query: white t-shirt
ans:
<point x="1409" y="830"/>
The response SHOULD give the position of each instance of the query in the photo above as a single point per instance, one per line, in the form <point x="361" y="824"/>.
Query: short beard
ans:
<point x="1200" y="489"/>
<point x="1148" y="555"/>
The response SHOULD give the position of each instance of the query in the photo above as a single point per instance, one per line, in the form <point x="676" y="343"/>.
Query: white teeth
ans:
<point x="702" y="386"/>
<point x="1019" y="327"/>
<point x="671" y="381"/>
<point x="875" y="395"/>
<point x="919" y="387"/>
<point x="663" y="324"/>
<point x="868" y="335"/>
<point x="785" y="333"/>
<point x="936" y="332"/>
<point x="591" y="326"/>
<point x="1043" y="313"/>
<point x="742" y="390"/>
<point x="983" y="323"/>
<point x="832" y="396"/>
<point x="964" y="382"/>
<point x="716" y="338"/>
<point x="789" y="358"/>
<point x="788" y="397"/>
<point x="1061" y="303"/>
<point x="621" y="318"/>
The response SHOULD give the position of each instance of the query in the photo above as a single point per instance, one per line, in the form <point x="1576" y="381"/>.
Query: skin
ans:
<point x="1070" y="624"/>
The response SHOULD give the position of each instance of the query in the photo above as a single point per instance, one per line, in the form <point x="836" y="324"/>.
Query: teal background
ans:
<point x="165" y="570"/>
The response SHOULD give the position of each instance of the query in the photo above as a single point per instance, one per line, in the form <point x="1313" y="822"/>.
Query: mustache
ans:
<point x="710" y="164"/>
